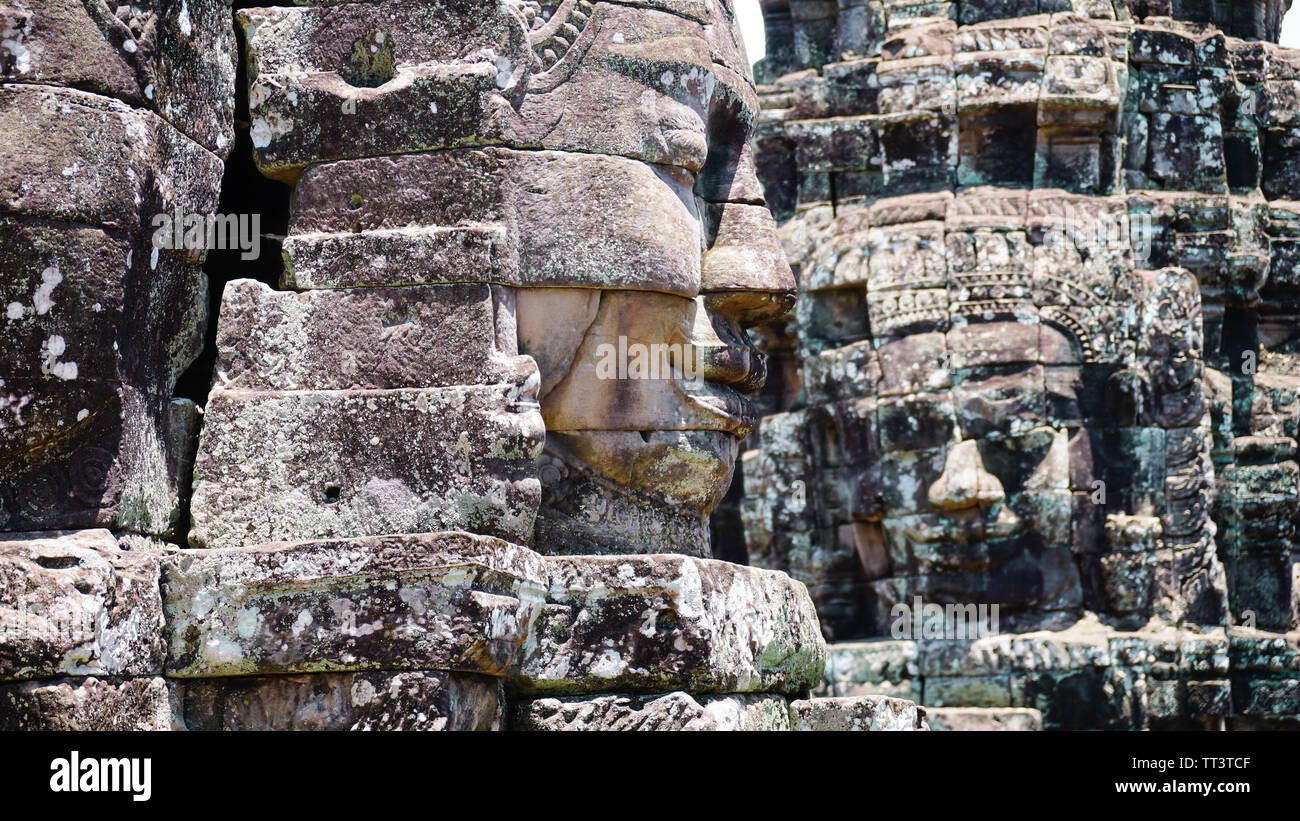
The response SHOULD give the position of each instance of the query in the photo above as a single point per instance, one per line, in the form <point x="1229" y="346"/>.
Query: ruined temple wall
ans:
<point x="916" y="152"/>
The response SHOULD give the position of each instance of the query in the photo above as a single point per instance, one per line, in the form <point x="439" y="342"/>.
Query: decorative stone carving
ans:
<point x="447" y="601"/>
<point x="991" y="719"/>
<point x="653" y="623"/>
<point x="675" y="711"/>
<point x="407" y="701"/>
<point x="97" y="704"/>
<point x="860" y="714"/>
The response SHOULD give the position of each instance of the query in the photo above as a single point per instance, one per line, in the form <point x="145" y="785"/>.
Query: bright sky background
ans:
<point x="751" y="28"/>
<point x="1290" y="29"/>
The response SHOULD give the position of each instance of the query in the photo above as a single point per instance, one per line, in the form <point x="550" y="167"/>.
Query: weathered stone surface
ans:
<point x="1265" y="670"/>
<point x="532" y="218"/>
<point x="622" y="374"/>
<point x="95" y="704"/>
<point x="87" y="158"/>
<point x="659" y="623"/>
<point x="358" y="80"/>
<point x="85" y="453"/>
<point x="597" y="134"/>
<point x="416" y="700"/>
<point x="674" y="711"/>
<point x="175" y="59"/>
<point x="1087" y="676"/>
<point x="856" y="714"/>
<point x="983" y="720"/>
<point x="98" y="326"/>
<point x="436" y="601"/>
<point x="301" y="465"/>
<point x="78" y="603"/>
<point x="644" y="396"/>
<point x="86" y="303"/>
<point x="867" y="667"/>
<point x="372" y="338"/>
<point x="355" y="80"/>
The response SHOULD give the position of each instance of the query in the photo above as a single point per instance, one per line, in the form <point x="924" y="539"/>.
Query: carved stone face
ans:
<point x="589" y="161"/>
<point x="975" y="477"/>
<point x="644" y="380"/>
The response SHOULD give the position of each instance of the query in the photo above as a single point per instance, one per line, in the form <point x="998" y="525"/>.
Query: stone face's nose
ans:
<point x="743" y="250"/>
<point x="965" y="482"/>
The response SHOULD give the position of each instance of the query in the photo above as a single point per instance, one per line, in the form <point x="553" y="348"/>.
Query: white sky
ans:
<point x="1290" y="28"/>
<point x="751" y="28"/>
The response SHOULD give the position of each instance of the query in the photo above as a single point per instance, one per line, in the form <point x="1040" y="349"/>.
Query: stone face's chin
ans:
<point x="1030" y="583"/>
<point x="632" y="491"/>
<point x="677" y="471"/>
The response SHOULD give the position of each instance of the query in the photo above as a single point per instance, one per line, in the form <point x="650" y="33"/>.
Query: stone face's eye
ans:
<point x="916" y="424"/>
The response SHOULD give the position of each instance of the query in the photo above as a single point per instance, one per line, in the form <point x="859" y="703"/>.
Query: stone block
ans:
<point x="967" y="691"/>
<point x="94" y="704"/>
<point x="85" y="158"/>
<point x="856" y="714"/>
<point x="530" y="218"/>
<point x="177" y="60"/>
<point x="988" y="719"/>
<point x="674" y="711"/>
<point x="84" y="453"/>
<point x="291" y="465"/>
<point x="77" y="603"/>
<point x="365" y="338"/>
<point x="657" y="623"/>
<point x="408" y="701"/>
<point x="436" y="601"/>
<point x="86" y="303"/>
<point x="357" y="80"/>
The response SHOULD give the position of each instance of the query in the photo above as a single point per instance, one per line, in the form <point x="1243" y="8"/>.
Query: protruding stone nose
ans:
<point x="965" y="482"/>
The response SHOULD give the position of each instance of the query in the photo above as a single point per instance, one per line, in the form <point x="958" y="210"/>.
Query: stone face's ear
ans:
<point x="553" y="322"/>
<point x="636" y="82"/>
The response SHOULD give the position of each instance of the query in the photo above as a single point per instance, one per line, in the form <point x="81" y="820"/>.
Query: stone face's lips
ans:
<point x="687" y="146"/>
<point x="723" y="402"/>
<point x="960" y="534"/>
<point x="741" y="367"/>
